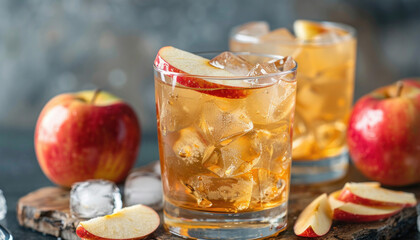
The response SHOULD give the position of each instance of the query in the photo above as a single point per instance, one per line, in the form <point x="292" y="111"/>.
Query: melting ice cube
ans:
<point x="231" y="63"/>
<point x="94" y="198"/>
<point x="268" y="187"/>
<point x="190" y="146"/>
<point x="231" y="193"/>
<point x="222" y="127"/>
<point x="3" y="206"/>
<point x="143" y="187"/>
<point x="236" y="158"/>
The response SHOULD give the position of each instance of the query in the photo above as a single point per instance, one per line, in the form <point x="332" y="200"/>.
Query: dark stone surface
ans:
<point x="21" y="174"/>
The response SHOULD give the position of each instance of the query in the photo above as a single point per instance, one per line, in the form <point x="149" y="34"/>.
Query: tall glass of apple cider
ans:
<point x="224" y="130"/>
<point x="326" y="54"/>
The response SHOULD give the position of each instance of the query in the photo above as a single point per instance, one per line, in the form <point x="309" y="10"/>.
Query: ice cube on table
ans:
<point x="231" y="193"/>
<point x="3" y="206"/>
<point x="222" y="127"/>
<point x="231" y="63"/>
<point x="94" y="198"/>
<point x="145" y="188"/>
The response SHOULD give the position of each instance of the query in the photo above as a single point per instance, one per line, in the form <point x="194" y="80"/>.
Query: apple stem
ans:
<point x="399" y="88"/>
<point x="95" y="95"/>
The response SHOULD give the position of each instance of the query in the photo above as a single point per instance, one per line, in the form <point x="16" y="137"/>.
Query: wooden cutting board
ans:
<point x="47" y="210"/>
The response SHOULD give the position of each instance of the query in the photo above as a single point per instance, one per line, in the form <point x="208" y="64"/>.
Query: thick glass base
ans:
<point x="321" y="170"/>
<point x="210" y="225"/>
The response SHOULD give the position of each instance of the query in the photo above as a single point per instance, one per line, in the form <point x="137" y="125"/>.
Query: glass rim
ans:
<point x="351" y="32"/>
<point x="235" y="78"/>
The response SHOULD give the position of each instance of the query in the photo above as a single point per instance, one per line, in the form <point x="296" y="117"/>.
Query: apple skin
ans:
<point x="347" y="196"/>
<point x="210" y="88"/>
<point x="76" y="140"/>
<point x="85" y="235"/>
<point x="340" y="213"/>
<point x="309" y="232"/>
<point x="384" y="135"/>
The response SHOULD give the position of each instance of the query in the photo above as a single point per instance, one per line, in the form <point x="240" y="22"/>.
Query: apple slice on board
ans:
<point x="130" y="223"/>
<point x="315" y="220"/>
<point x="175" y="60"/>
<point x="375" y="196"/>
<point x="351" y="212"/>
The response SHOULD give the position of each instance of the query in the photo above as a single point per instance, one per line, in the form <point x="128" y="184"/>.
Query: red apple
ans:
<point x="315" y="220"/>
<point x="86" y="135"/>
<point x="175" y="60"/>
<point x="384" y="134"/>
<point x="351" y="212"/>
<point x="130" y="223"/>
<point x="375" y="196"/>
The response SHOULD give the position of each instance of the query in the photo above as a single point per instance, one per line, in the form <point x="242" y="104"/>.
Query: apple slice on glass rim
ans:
<point x="351" y="212"/>
<point x="193" y="68"/>
<point x="130" y="223"/>
<point x="375" y="196"/>
<point x="315" y="220"/>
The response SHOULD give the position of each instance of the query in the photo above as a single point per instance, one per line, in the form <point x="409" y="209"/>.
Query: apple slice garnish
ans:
<point x="307" y="30"/>
<point x="175" y="60"/>
<point x="375" y="196"/>
<point x="315" y="220"/>
<point x="130" y="223"/>
<point x="351" y="212"/>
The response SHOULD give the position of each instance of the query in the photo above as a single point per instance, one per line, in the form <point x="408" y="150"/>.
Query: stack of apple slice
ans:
<point x="356" y="202"/>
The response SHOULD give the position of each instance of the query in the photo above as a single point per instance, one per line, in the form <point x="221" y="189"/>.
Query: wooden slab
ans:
<point x="47" y="210"/>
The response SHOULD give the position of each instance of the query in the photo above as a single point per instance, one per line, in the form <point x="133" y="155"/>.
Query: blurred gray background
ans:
<point x="48" y="47"/>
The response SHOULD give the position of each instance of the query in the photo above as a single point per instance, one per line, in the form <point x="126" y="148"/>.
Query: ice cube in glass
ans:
<point x="231" y="63"/>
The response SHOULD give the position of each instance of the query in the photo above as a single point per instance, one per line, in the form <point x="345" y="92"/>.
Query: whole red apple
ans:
<point x="384" y="134"/>
<point x="86" y="135"/>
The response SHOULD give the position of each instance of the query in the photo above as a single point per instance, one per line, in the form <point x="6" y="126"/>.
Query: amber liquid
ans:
<point x="324" y="95"/>
<point x="225" y="155"/>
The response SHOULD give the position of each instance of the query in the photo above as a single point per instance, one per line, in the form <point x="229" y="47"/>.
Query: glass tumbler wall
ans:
<point x="324" y="95"/>
<point x="225" y="153"/>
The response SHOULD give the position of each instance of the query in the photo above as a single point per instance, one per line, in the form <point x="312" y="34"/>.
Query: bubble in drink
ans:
<point x="94" y="198"/>
<point x="143" y="188"/>
<point x="231" y="63"/>
<point x="3" y="206"/>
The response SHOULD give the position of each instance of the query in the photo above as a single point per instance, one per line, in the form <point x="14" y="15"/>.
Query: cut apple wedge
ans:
<point x="130" y="223"/>
<point x="375" y="196"/>
<point x="351" y="212"/>
<point x="307" y="30"/>
<point x="315" y="220"/>
<point x="175" y="60"/>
